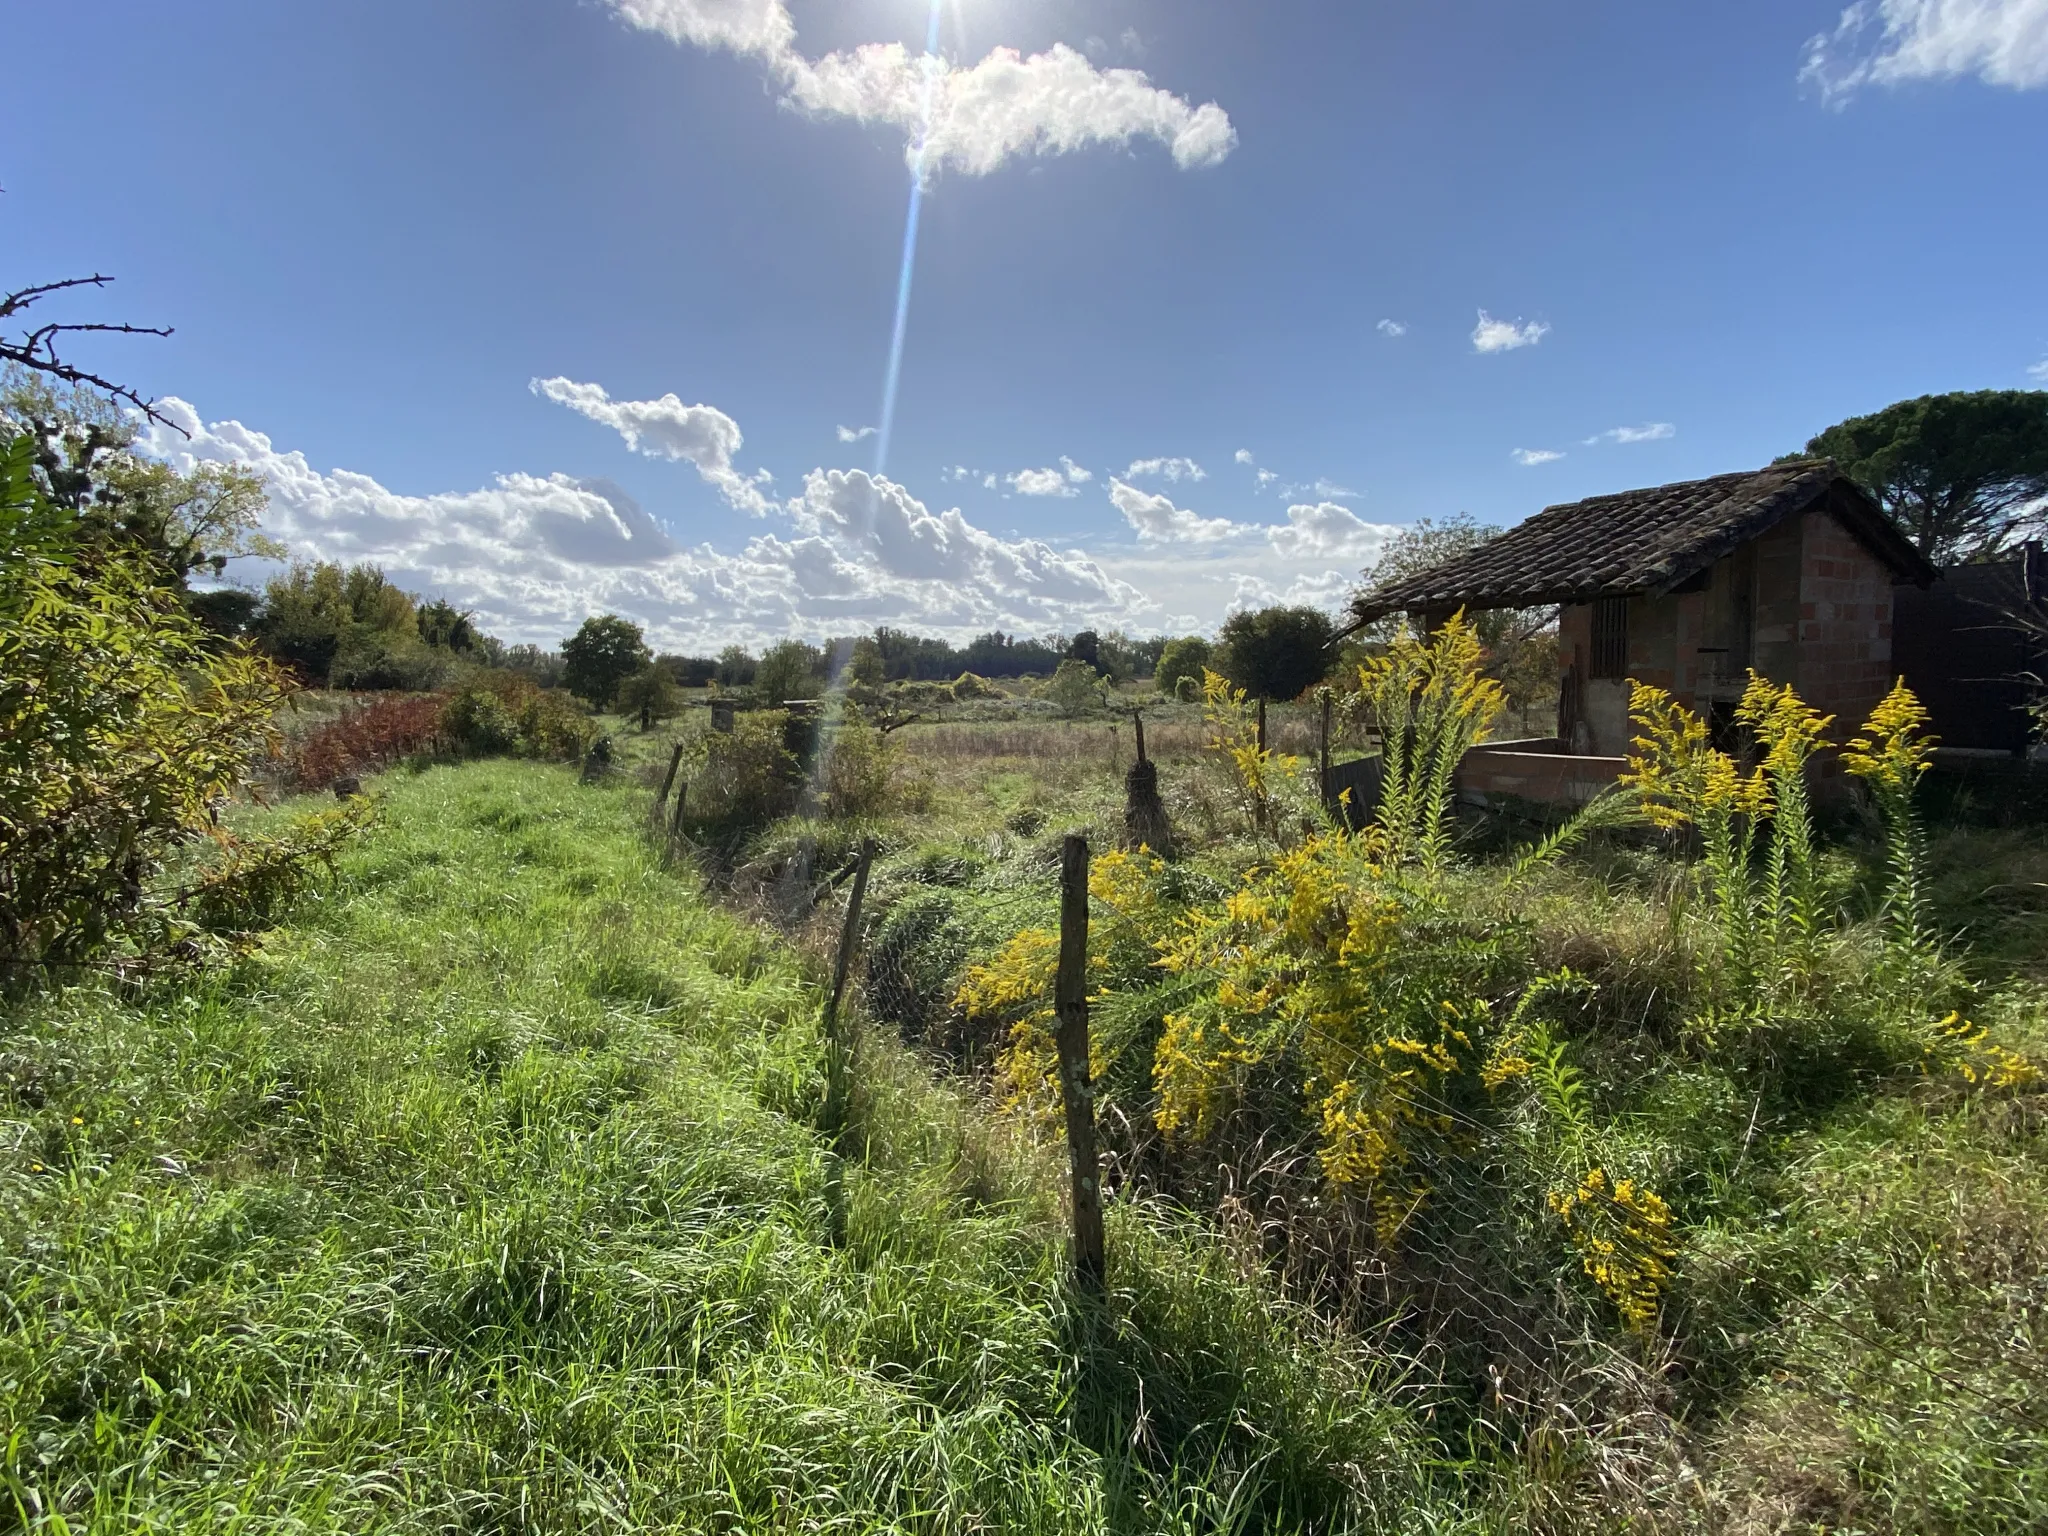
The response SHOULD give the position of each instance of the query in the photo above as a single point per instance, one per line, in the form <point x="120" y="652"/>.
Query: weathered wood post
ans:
<point x="675" y="822"/>
<point x="1070" y="1001"/>
<point x="1262" y="725"/>
<point x="1323" y="752"/>
<point x="668" y="782"/>
<point x="838" y="1049"/>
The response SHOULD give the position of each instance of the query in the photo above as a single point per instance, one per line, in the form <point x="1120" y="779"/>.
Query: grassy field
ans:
<point x="487" y="1197"/>
<point x="1849" y="1341"/>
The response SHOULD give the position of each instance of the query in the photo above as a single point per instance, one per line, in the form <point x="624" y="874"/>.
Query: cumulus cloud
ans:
<point x="1527" y="456"/>
<point x="1491" y="335"/>
<point x="855" y="434"/>
<point x="534" y="555"/>
<point x="1648" y="432"/>
<point x="972" y="118"/>
<point x="666" y="428"/>
<point x="1391" y="328"/>
<point x="2039" y="370"/>
<point x="1244" y="456"/>
<point x="1165" y="469"/>
<point x="1328" y="531"/>
<point x="1155" y="519"/>
<point x="1041" y="482"/>
<point x="2001" y="42"/>
<point x="1076" y="475"/>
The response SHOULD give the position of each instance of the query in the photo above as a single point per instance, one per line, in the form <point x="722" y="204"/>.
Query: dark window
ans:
<point x="1610" y="638"/>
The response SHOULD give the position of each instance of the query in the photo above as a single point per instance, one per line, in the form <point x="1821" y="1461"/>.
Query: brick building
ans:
<point x="1788" y="569"/>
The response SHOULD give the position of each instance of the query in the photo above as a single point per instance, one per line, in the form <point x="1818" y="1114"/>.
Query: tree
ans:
<point x="866" y="672"/>
<point x="1423" y="546"/>
<point x="348" y="627"/>
<point x="735" y="667"/>
<point x="650" y="693"/>
<point x="446" y="627"/>
<point x="1962" y="474"/>
<point x="1277" y="653"/>
<point x="601" y="655"/>
<point x="1186" y="656"/>
<point x="1076" y="687"/>
<point x="187" y="520"/>
<point x="1086" y="647"/>
<point x="789" y="670"/>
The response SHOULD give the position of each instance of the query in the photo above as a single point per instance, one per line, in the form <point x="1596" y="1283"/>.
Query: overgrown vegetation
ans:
<point x="488" y="1196"/>
<point x="124" y="734"/>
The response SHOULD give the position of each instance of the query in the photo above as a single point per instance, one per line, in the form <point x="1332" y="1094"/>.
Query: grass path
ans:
<point x="486" y="1198"/>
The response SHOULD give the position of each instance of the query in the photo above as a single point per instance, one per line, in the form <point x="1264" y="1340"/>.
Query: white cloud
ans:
<point x="1155" y="519"/>
<point x="1391" y="328"/>
<point x="1491" y="335"/>
<point x="1267" y="477"/>
<point x="1327" y="490"/>
<point x="855" y="434"/>
<point x="535" y="555"/>
<point x="668" y="429"/>
<point x="1328" y="531"/>
<point x="1244" y="456"/>
<point x="1648" y="432"/>
<point x="973" y="118"/>
<point x="1041" y="482"/>
<point x="2039" y="371"/>
<point x="1076" y="475"/>
<point x="2001" y="42"/>
<point x="1536" y="456"/>
<point x="988" y="481"/>
<point x="1165" y="469"/>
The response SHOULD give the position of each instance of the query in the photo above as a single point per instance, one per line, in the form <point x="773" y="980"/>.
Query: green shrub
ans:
<point x="745" y="779"/>
<point x="1076" y="688"/>
<point x="1184" y="658"/>
<point x="968" y="686"/>
<point x="125" y="728"/>
<point x="652" y="691"/>
<point x="502" y="712"/>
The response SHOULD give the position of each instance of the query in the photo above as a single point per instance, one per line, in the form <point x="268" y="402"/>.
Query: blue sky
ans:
<point x="436" y="265"/>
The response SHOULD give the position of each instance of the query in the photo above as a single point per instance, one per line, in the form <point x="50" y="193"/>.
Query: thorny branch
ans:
<point x="37" y="349"/>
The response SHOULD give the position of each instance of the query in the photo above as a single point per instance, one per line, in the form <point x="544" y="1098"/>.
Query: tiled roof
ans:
<point x="1641" y="541"/>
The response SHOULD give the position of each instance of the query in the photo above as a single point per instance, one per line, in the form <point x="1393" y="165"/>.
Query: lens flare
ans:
<point x="933" y="68"/>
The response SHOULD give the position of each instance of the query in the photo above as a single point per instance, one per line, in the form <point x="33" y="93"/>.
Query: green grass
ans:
<point x="487" y="1197"/>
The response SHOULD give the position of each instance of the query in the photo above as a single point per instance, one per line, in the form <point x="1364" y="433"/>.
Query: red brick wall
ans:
<point x="1845" y="624"/>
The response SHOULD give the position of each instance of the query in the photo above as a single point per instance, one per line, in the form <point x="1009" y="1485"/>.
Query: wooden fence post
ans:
<point x="668" y="782"/>
<point x="675" y="822"/>
<point x="837" y="1048"/>
<point x="1070" y="1001"/>
<point x="1323" y="754"/>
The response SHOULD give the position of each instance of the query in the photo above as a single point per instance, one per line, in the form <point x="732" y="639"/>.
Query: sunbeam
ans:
<point x="932" y="69"/>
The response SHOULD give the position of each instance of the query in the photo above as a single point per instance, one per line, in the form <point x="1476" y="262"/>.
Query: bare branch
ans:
<point x="37" y="349"/>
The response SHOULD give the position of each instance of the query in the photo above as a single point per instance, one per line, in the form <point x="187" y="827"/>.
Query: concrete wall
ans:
<point x="1488" y="776"/>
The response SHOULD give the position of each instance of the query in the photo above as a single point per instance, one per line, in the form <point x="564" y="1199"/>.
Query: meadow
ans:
<point x="489" y="1191"/>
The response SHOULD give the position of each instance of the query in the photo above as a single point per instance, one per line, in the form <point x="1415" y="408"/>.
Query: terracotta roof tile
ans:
<point x="1640" y="541"/>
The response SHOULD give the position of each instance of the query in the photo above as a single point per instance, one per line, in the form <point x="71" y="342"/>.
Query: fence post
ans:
<point x="1323" y="753"/>
<point x="675" y="822"/>
<point x="668" y="782"/>
<point x="1070" y="1000"/>
<point x="837" y="1052"/>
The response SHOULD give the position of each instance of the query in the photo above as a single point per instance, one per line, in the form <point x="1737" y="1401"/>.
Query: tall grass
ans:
<point x="487" y="1197"/>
